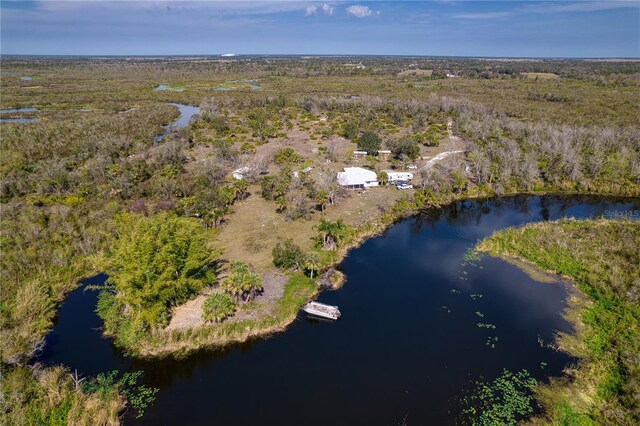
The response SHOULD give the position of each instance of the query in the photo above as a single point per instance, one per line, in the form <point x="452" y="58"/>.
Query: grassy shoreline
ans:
<point x="179" y="343"/>
<point x="601" y="258"/>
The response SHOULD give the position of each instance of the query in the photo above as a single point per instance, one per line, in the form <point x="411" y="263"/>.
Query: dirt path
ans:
<point x="189" y="314"/>
<point x="439" y="157"/>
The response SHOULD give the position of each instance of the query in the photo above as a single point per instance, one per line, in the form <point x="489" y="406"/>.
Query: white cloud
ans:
<point x="328" y="10"/>
<point x="359" y="11"/>
<point x="310" y="10"/>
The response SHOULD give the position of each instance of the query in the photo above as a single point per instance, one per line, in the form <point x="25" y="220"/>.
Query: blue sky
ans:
<point x="455" y="28"/>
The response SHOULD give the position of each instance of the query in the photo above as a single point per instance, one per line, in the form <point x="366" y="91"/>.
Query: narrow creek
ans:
<point x="186" y="113"/>
<point x="407" y="346"/>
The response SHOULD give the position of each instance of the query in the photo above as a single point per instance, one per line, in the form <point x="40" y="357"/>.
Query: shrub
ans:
<point x="287" y="255"/>
<point x="286" y="156"/>
<point x="217" y="307"/>
<point x="350" y="130"/>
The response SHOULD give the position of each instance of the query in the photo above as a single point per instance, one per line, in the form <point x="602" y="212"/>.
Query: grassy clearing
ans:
<point x="602" y="258"/>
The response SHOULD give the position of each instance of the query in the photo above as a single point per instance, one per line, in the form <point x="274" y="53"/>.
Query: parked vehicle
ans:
<point x="404" y="185"/>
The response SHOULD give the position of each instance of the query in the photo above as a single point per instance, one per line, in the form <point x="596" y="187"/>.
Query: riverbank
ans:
<point x="179" y="343"/>
<point x="601" y="258"/>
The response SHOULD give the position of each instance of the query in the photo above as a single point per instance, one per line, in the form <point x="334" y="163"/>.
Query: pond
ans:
<point x="186" y="114"/>
<point x="14" y="110"/>
<point x="408" y="343"/>
<point x="163" y="87"/>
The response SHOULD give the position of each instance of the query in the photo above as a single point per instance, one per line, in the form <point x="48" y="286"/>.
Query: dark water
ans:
<point x="407" y="344"/>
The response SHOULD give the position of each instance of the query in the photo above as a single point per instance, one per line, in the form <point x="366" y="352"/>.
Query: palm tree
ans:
<point x="383" y="177"/>
<point x="242" y="284"/>
<point x="322" y="198"/>
<point x="332" y="233"/>
<point x="281" y="203"/>
<point x="312" y="262"/>
<point x="241" y="187"/>
<point x="217" y="307"/>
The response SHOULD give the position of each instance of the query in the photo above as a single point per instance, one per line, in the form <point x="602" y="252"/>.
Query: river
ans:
<point x="408" y="344"/>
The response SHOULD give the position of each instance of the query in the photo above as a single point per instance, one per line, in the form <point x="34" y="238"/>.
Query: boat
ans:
<point x="321" y="310"/>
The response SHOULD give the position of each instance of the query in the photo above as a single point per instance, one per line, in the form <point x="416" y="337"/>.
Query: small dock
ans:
<point x="321" y="310"/>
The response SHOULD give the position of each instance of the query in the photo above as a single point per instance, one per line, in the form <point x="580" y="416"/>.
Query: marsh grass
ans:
<point x="32" y="396"/>
<point x="603" y="260"/>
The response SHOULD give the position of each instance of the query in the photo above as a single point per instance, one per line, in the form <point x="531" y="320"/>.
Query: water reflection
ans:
<point x="408" y="341"/>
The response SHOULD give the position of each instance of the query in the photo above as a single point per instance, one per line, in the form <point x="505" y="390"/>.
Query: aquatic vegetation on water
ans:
<point x="138" y="396"/>
<point x="503" y="401"/>
<point x="485" y="325"/>
<point x="491" y="341"/>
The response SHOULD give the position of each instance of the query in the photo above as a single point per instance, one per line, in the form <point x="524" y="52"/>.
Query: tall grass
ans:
<point x="603" y="259"/>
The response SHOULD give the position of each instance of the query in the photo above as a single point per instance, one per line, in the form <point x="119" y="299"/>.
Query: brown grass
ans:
<point x="408" y="73"/>
<point x="541" y="75"/>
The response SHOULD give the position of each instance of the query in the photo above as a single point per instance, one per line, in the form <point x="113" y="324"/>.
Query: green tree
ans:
<point x="383" y="177"/>
<point x="158" y="262"/>
<point x="404" y="149"/>
<point x="217" y="307"/>
<point x="287" y="255"/>
<point x="322" y="198"/>
<point x="261" y="125"/>
<point x="241" y="283"/>
<point x="350" y="130"/>
<point x="369" y="142"/>
<point x="286" y="156"/>
<point x="332" y="234"/>
<point x="312" y="262"/>
<point x="241" y="186"/>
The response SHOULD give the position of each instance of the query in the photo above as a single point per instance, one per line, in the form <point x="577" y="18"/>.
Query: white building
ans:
<point x="357" y="178"/>
<point x="396" y="176"/>
<point x="384" y="153"/>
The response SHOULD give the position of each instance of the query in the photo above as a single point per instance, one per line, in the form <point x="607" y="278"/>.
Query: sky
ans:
<point x="430" y="28"/>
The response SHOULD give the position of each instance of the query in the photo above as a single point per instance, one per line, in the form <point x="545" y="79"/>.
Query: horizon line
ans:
<point x="237" y="55"/>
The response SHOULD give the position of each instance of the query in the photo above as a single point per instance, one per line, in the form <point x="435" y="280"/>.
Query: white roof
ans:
<point x="397" y="172"/>
<point x="356" y="176"/>
<point x="360" y="152"/>
<point x="242" y="170"/>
